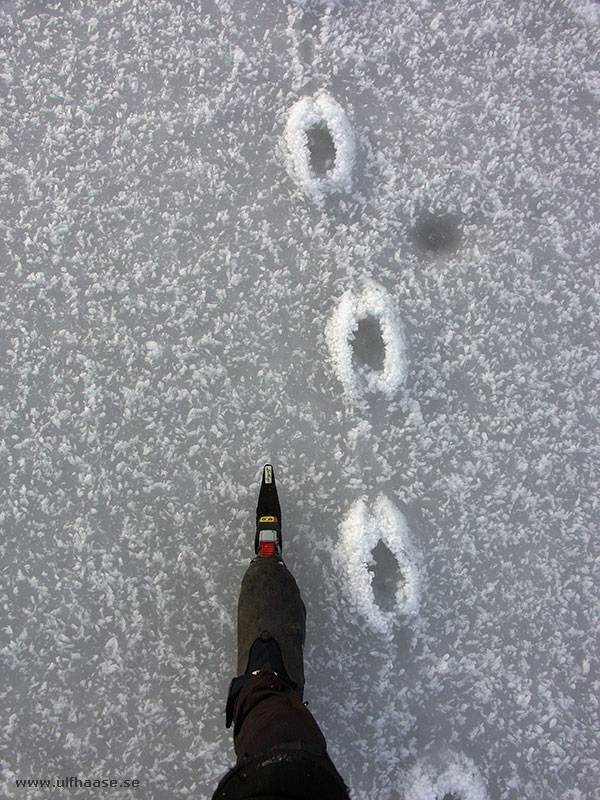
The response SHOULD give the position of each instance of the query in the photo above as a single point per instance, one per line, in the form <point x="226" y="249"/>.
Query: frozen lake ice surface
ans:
<point x="189" y="194"/>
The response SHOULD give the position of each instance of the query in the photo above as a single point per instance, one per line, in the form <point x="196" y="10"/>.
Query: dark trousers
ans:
<point x="281" y="751"/>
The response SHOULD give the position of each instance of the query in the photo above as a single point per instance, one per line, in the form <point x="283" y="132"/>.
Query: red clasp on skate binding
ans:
<point x="267" y="540"/>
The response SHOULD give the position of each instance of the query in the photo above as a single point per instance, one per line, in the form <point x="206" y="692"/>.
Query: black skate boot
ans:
<point x="271" y="615"/>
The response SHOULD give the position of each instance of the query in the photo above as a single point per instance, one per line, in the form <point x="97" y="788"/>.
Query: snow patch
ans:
<point x="360" y="532"/>
<point x="451" y="774"/>
<point x="319" y="111"/>
<point x="373" y="301"/>
<point x="588" y="10"/>
<point x="153" y="351"/>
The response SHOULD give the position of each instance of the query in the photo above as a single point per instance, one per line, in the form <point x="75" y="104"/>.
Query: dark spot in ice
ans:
<point x="386" y="575"/>
<point x="367" y="345"/>
<point x="450" y="796"/>
<point x="438" y="232"/>
<point x="321" y="148"/>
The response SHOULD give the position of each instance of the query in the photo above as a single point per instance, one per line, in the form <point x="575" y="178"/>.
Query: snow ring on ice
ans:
<point x="458" y="777"/>
<point x="374" y="301"/>
<point x="360" y="532"/>
<point x="310" y="112"/>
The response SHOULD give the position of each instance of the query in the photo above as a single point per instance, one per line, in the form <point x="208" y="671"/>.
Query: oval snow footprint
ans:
<point x="320" y="146"/>
<point x="375" y="306"/>
<point x="447" y="775"/>
<point x="360" y="532"/>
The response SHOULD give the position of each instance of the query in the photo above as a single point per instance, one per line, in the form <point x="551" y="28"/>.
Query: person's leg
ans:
<point x="269" y="713"/>
<point x="277" y="741"/>
<point x="280" y="748"/>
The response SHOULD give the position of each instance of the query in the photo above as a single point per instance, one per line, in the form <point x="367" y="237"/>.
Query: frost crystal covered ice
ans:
<point x="370" y="302"/>
<point x="360" y="531"/>
<point x="309" y="115"/>
<point x="164" y="287"/>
